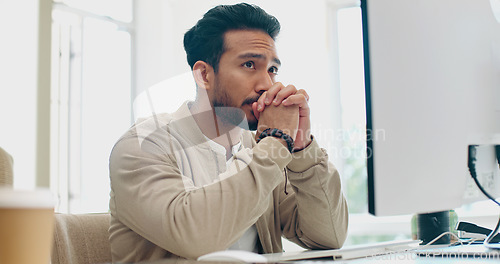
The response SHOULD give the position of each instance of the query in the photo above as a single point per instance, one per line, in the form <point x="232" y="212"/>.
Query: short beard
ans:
<point x="229" y="113"/>
<point x="233" y="116"/>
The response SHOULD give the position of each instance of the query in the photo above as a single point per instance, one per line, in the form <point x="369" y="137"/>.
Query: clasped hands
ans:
<point x="285" y="108"/>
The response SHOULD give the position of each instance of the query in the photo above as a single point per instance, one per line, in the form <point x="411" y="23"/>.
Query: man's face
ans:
<point x="247" y="68"/>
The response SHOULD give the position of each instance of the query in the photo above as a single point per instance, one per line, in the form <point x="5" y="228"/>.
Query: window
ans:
<point x="352" y="135"/>
<point x="90" y="98"/>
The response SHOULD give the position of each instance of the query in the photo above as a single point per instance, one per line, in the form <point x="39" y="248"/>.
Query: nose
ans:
<point x="264" y="82"/>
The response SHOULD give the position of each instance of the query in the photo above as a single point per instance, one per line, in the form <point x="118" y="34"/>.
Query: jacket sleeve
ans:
<point x="314" y="213"/>
<point x="150" y="197"/>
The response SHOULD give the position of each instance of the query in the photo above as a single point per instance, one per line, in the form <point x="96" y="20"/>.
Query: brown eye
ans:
<point x="273" y="70"/>
<point x="249" y="64"/>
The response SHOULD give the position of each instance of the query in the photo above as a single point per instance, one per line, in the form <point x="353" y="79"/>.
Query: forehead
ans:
<point x="242" y="41"/>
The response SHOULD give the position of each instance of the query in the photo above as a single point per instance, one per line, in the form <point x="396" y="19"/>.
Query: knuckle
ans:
<point x="304" y="93"/>
<point x="277" y="86"/>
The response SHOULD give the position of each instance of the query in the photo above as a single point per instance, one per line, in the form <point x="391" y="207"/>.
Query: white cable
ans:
<point x="440" y="236"/>
<point x="493" y="233"/>
<point x="473" y="240"/>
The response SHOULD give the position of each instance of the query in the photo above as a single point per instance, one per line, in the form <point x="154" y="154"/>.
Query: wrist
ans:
<point x="284" y="138"/>
<point x="304" y="144"/>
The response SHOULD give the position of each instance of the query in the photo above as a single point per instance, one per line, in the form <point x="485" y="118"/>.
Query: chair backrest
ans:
<point x="6" y="162"/>
<point x="81" y="238"/>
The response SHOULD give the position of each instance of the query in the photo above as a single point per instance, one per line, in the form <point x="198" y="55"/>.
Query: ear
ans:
<point x="203" y="75"/>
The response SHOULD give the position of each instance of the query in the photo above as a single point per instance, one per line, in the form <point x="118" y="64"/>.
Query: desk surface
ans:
<point x="439" y="254"/>
<point x="406" y="258"/>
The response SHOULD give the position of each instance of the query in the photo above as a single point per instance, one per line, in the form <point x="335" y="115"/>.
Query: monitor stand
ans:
<point x="431" y="225"/>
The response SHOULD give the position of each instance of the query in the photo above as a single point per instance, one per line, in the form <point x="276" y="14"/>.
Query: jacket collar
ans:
<point x="183" y="118"/>
<point x="184" y="125"/>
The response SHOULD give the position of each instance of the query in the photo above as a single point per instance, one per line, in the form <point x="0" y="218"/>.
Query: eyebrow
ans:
<point x="258" y="56"/>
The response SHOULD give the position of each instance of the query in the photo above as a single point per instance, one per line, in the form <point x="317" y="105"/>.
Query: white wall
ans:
<point x="18" y="86"/>
<point x="160" y="27"/>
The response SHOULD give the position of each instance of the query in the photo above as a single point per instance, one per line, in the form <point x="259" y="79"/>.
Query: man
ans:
<point x="197" y="180"/>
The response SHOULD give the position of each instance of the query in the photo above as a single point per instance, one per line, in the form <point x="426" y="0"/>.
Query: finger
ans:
<point x="299" y="100"/>
<point x="284" y="93"/>
<point x="272" y="92"/>
<point x="302" y="91"/>
<point x="260" y="102"/>
<point x="256" y="113"/>
<point x="296" y="99"/>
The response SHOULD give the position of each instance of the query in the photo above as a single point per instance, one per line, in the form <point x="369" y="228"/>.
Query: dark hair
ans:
<point x="205" y="40"/>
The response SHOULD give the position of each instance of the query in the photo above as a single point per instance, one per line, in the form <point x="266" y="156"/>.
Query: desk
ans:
<point x="406" y="258"/>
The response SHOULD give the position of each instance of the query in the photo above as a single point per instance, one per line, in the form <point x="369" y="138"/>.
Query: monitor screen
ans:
<point x="432" y="79"/>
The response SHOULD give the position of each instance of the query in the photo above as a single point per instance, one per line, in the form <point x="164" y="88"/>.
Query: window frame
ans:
<point x="65" y="92"/>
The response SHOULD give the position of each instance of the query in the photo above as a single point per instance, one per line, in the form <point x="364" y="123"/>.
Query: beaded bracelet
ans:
<point x="278" y="133"/>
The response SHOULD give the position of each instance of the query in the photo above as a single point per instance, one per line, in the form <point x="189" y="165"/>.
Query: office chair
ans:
<point x="6" y="163"/>
<point x="81" y="238"/>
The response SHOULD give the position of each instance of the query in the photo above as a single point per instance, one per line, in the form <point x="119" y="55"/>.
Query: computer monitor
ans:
<point x="432" y="77"/>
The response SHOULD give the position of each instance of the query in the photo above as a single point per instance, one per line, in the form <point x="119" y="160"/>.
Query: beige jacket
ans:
<point x="158" y="211"/>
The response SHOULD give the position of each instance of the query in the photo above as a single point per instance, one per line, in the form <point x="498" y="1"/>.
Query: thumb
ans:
<point x="256" y="113"/>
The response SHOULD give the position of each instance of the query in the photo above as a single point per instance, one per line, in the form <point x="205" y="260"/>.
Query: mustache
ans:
<point x="251" y="100"/>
